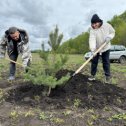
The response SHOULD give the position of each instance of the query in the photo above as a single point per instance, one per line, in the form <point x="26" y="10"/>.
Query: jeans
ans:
<point x="13" y="57"/>
<point x="105" y="61"/>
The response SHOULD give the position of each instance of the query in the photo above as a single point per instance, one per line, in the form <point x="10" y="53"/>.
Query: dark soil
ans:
<point x="92" y="95"/>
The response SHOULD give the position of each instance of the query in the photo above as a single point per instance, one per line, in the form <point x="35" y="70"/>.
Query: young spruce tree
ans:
<point x="45" y="73"/>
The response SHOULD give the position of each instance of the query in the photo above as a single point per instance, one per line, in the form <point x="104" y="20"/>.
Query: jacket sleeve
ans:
<point x="3" y="44"/>
<point x="92" y="40"/>
<point x="26" y="54"/>
<point x="111" y="32"/>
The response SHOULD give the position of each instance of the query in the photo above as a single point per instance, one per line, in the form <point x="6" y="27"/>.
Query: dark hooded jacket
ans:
<point x="22" y="45"/>
<point x="10" y="44"/>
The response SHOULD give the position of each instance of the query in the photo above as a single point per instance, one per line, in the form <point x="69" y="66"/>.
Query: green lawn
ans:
<point x="74" y="62"/>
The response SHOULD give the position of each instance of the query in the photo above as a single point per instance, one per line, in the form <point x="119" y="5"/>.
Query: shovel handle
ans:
<point x="17" y="63"/>
<point x="14" y="62"/>
<point x="87" y="61"/>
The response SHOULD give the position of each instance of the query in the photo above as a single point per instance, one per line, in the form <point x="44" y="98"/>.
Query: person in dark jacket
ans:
<point x="17" y="42"/>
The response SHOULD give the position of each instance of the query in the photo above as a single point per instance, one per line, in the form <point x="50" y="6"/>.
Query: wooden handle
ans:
<point x="14" y="62"/>
<point x="17" y="63"/>
<point x="87" y="61"/>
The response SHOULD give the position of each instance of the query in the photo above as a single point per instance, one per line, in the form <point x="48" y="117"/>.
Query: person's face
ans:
<point x="96" y="25"/>
<point x="15" y="36"/>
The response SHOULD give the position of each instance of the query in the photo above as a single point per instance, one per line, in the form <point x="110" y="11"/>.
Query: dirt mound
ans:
<point x="78" y="89"/>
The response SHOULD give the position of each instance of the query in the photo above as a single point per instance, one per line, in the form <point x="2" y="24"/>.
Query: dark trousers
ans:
<point x="13" y="57"/>
<point x="105" y="61"/>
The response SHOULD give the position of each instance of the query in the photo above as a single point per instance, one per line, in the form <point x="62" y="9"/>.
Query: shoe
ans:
<point x="107" y="80"/>
<point x="11" y="78"/>
<point x="92" y="78"/>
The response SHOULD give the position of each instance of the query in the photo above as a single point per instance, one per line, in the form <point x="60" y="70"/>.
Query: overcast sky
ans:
<point x="39" y="17"/>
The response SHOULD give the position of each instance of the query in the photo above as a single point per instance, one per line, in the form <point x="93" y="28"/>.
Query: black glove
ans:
<point x="26" y="67"/>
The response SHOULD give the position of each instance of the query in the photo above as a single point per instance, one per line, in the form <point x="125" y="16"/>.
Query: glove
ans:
<point x="26" y="66"/>
<point x="1" y="56"/>
<point x="107" y="39"/>
<point x="26" y="69"/>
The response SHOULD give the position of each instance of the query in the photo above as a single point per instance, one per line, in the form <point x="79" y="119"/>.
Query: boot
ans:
<point x="92" y="78"/>
<point x="11" y="78"/>
<point x="107" y="80"/>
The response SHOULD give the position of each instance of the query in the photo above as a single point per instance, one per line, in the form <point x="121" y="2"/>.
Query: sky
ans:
<point x="39" y="17"/>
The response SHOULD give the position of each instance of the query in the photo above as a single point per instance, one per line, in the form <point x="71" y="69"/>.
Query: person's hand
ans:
<point x="26" y="68"/>
<point x="1" y="56"/>
<point x="107" y="39"/>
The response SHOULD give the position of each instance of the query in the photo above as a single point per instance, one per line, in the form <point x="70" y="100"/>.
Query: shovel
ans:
<point x="17" y="63"/>
<point x="14" y="62"/>
<point x="87" y="61"/>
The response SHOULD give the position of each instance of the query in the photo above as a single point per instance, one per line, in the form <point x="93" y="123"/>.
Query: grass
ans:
<point x="73" y="63"/>
<point x="118" y="68"/>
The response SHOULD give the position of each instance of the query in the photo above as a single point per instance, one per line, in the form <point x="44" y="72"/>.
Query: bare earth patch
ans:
<point x="78" y="103"/>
